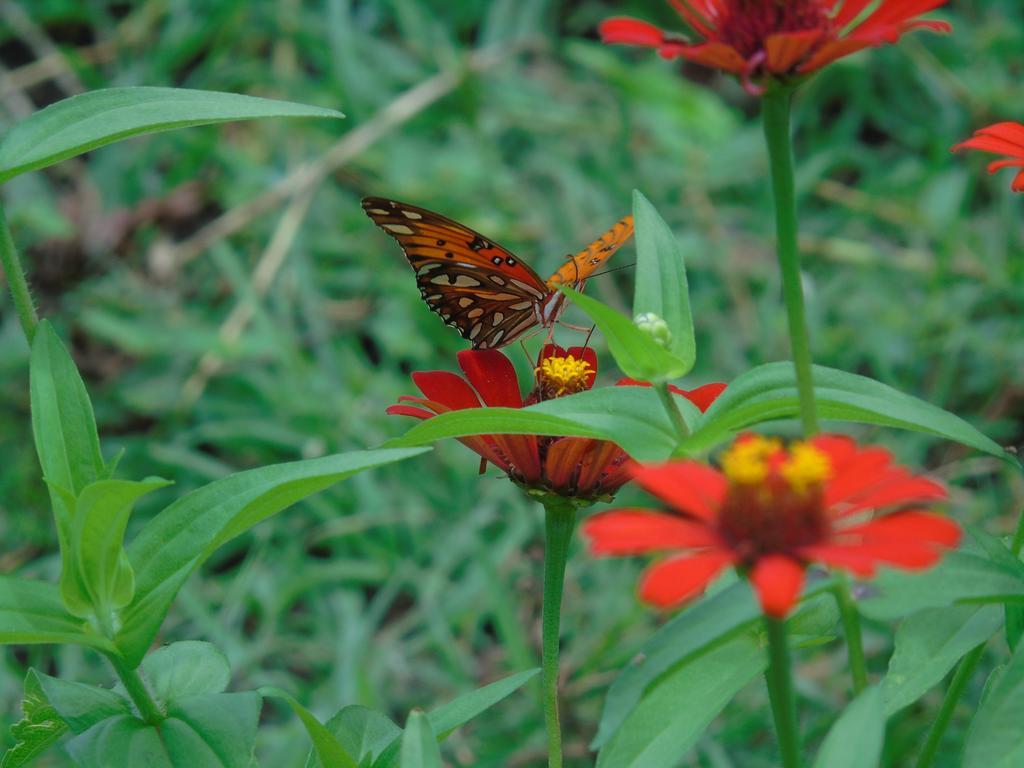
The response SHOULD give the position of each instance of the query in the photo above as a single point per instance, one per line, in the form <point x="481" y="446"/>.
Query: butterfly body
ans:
<point x="476" y="285"/>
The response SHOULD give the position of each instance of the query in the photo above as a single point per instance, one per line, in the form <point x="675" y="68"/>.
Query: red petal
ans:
<point x="840" y="449"/>
<point x="787" y="49"/>
<point x="860" y="471"/>
<point x="896" y="486"/>
<point x="848" y="558"/>
<point x="717" y="55"/>
<point x="702" y="396"/>
<point x="1018" y="182"/>
<point x="562" y="462"/>
<point x="493" y="377"/>
<point x="777" y="579"/>
<point x="448" y="388"/>
<point x="408" y="410"/>
<point x="690" y="487"/>
<point x="636" y="531"/>
<point x="522" y="454"/>
<point x="912" y="525"/>
<point x="599" y="469"/>
<point x="699" y="14"/>
<point x="680" y="578"/>
<point x="630" y="32"/>
<point x="849" y="11"/>
<point x="829" y="52"/>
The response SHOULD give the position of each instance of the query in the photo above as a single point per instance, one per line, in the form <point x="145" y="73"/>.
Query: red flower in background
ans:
<point x="1002" y="139"/>
<point x="770" y="512"/>
<point x="757" y="39"/>
<point x="702" y="396"/>
<point x="576" y="467"/>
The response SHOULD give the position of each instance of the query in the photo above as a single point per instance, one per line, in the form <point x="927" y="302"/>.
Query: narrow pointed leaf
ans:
<point x="419" y="745"/>
<point x="90" y="120"/>
<point x="327" y="747"/>
<point x="661" y="286"/>
<point x="33" y="612"/>
<point x="996" y="739"/>
<point x="39" y="728"/>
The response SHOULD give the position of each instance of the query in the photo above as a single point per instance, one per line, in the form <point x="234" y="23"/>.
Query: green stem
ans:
<point x="149" y="710"/>
<point x="851" y="628"/>
<point x="559" y="521"/>
<point x="780" y="690"/>
<point x="776" y="106"/>
<point x="672" y="408"/>
<point x="16" y="280"/>
<point x="953" y="694"/>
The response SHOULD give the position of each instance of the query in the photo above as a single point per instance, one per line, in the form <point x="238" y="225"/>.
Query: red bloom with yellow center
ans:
<point x="770" y="512"/>
<point x="1001" y="139"/>
<point x="758" y="39"/>
<point x="575" y="467"/>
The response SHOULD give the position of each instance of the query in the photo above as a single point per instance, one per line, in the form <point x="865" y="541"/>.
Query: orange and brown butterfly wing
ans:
<point x="578" y="268"/>
<point x="473" y="283"/>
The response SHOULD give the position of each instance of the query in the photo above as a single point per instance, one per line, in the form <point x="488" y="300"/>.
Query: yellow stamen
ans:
<point x="805" y="467"/>
<point x="747" y="461"/>
<point x="564" y="375"/>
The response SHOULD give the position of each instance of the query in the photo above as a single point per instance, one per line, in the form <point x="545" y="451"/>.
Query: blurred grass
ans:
<point x="417" y="582"/>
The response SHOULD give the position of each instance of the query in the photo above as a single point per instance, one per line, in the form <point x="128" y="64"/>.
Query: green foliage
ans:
<point x="661" y="287"/>
<point x="995" y="738"/>
<point x="89" y="120"/>
<point x="637" y="353"/>
<point x="855" y="741"/>
<point x="419" y="745"/>
<point x="38" y="729"/>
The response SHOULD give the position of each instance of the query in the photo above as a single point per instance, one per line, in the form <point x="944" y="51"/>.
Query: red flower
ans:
<point x="569" y="466"/>
<point x="772" y="510"/>
<point x="1002" y="139"/>
<point x="758" y="39"/>
<point x="703" y="396"/>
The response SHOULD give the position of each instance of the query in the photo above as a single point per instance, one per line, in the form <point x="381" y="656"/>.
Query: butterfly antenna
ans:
<point x="586" y="342"/>
<point x="616" y="269"/>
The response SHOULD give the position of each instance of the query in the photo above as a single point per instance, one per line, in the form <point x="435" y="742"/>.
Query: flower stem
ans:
<point x="780" y="690"/>
<point x="149" y="710"/>
<point x="851" y="628"/>
<point x="953" y="693"/>
<point x="559" y="521"/>
<point x="672" y="408"/>
<point x="776" y="105"/>
<point x="16" y="281"/>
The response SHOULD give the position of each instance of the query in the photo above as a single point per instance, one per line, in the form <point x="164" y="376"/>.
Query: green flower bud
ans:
<point x="655" y="327"/>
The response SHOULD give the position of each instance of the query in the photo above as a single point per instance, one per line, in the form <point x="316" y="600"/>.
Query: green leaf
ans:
<point x="768" y="392"/>
<point x="212" y="731"/>
<point x="636" y="352"/>
<point x="101" y="515"/>
<point x="419" y="745"/>
<point x="82" y="706"/>
<point x="67" y="444"/>
<point x="996" y="739"/>
<point x="363" y="733"/>
<point x="929" y="643"/>
<point x="38" y="729"/>
<point x="446" y="718"/>
<point x="328" y="748"/>
<point x="187" y="668"/>
<point x="697" y="630"/>
<point x="661" y="286"/>
<point x="183" y="535"/>
<point x="711" y="621"/>
<point x="672" y="715"/>
<point x="33" y="612"/>
<point x="460" y="711"/>
<point x="632" y="417"/>
<point x="89" y="120"/>
<point x="856" y="738"/>
<point x="961" y="577"/>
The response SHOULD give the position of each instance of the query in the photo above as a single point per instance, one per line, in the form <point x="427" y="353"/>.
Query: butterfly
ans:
<point x="491" y="296"/>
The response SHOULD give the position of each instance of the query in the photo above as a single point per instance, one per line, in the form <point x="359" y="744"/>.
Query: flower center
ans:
<point x="746" y="24"/>
<point x="775" y="499"/>
<point x="558" y="376"/>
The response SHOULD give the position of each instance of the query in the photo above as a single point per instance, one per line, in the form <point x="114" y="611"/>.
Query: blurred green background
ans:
<point x="217" y="333"/>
